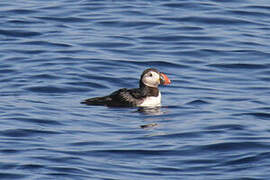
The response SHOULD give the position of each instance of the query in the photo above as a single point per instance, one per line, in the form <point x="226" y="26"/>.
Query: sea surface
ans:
<point x="214" y="122"/>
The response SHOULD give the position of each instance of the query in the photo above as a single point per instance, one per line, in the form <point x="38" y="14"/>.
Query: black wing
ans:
<point x="121" y="98"/>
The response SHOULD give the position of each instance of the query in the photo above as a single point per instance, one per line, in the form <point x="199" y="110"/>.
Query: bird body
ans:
<point x="147" y="95"/>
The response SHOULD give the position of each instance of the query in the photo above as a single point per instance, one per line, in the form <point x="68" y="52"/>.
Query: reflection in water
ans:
<point x="145" y="126"/>
<point x="150" y="110"/>
<point x="154" y="111"/>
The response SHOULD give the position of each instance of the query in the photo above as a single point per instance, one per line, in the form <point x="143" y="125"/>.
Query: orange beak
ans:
<point x="164" y="80"/>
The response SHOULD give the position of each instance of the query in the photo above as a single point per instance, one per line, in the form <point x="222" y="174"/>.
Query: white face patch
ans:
<point x="151" y="79"/>
<point x="151" y="101"/>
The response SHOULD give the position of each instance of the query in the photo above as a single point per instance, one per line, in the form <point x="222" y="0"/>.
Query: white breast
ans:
<point x="151" y="101"/>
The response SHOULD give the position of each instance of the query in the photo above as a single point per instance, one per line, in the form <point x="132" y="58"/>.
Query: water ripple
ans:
<point x="214" y="120"/>
<point x="25" y="132"/>
<point x="18" y="33"/>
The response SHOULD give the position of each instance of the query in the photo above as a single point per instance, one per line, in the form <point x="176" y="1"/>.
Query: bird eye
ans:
<point x="150" y="74"/>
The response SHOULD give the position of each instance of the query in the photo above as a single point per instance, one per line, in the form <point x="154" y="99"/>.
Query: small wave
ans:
<point x="128" y="24"/>
<point x="240" y="66"/>
<point x="198" y="102"/>
<point x="12" y="175"/>
<point x="63" y="19"/>
<point x="46" y="43"/>
<point x="47" y="89"/>
<point x="234" y="146"/>
<point x="210" y="20"/>
<point x="19" y="33"/>
<point x="25" y="132"/>
<point x="108" y="44"/>
<point x="38" y="121"/>
<point x="55" y="89"/>
<point x="259" y="115"/>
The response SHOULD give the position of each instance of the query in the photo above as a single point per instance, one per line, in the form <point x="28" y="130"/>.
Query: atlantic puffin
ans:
<point x="147" y="95"/>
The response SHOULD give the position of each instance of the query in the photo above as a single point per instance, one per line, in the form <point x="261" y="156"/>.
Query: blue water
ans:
<point x="215" y="118"/>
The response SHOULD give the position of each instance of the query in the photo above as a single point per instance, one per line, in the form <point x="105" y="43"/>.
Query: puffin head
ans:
<point x="153" y="78"/>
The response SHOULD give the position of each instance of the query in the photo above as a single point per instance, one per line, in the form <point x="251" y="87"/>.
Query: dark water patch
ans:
<point x="9" y="151"/>
<point x="188" y="28"/>
<point x="210" y="90"/>
<point x="168" y="169"/>
<point x="261" y="102"/>
<point x="250" y="53"/>
<point x="259" y="89"/>
<point x="108" y="44"/>
<point x="63" y="19"/>
<point x="246" y="13"/>
<point x="22" y="22"/>
<point x="35" y="120"/>
<point x="258" y="7"/>
<point x="131" y="53"/>
<point x="210" y="20"/>
<point x="12" y="175"/>
<point x="242" y="160"/>
<point x="240" y="66"/>
<point x="249" y="136"/>
<point x="57" y="63"/>
<point x="209" y="52"/>
<point x="130" y="153"/>
<point x="155" y="63"/>
<point x="235" y="2"/>
<point x="25" y="132"/>
<point x="128" y="24"/>
<point x="101" y="79"/>
<point x="67" y="175"/>
<point x="100" y="65"/>
<point x="55" y="159"/>
<point x="21" y="11"/>
<point x="198" y="102"/>
<point x="88" y="84"/>
<point x="201" y="161"/>
<point x="235" y="146"/>
<point x="94" y="7"/>
<point x="177" y="38"/>
<point x="46" y="43"/>
<point x="52" y="7"/>
<point x="7" y="165"/>
<point x="67" y="170"/>
<point x="4" y="4"/>
<point x="14" y="59"/>
<point x="247" y="44"/>
<point x="264" y="156"/>
<point x="28" y="52"/>
<point x="47" y="89"/>
<point x="264" y="72"/>
<point x="266" y="79"/>
<point x="55" y="89"/>
<point x="133" y="13"/>
<point x="189" y="5"/>
<point x="19" y="33"/>
<point x="44" y="76"/>
<point x="125" y="39"/>
<point x="7" y="71"/>
<point x="259" y="115"/>
<point x="71" y="51"/>
<point x="32" y="167"/>
<point x="90" y="143"/>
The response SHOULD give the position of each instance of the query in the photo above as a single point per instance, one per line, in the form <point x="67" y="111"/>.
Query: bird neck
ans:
<point x="148" y="91"/>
